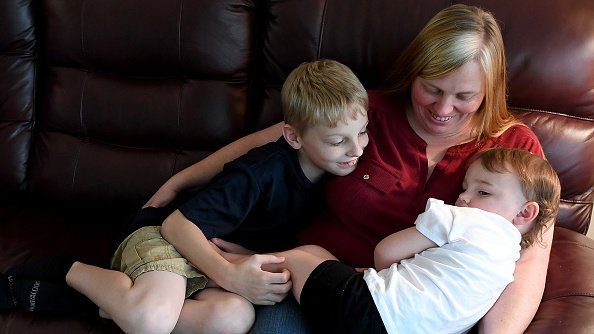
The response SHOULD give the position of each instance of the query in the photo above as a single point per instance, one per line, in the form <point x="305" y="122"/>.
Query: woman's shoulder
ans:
<point x="519" y="136"/>
<point x="382" y="104"/>
<point x="381" y="99"/>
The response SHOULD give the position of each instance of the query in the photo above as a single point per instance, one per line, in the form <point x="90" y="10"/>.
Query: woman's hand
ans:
<point x="162" y="197"/>
<point x="204" y="170"/>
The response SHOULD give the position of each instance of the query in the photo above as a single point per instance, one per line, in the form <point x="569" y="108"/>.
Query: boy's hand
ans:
<point x="231" y="257"/>
<point x="230" y="247"/>
<point x="258" y="286"/>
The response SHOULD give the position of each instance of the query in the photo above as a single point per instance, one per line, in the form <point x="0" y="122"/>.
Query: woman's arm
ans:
<point x="204" y="170"/>
<point x="515" y="308"/>
<point x="245" y="278"/>
<point x="400" y="245"/>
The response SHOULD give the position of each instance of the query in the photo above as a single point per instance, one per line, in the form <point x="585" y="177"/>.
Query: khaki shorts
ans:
<point x="145" y="250"/>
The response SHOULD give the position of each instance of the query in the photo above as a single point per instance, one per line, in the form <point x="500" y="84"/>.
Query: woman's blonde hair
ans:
<point x="453" y="37"/>
<point x="322" y="92"/>
<point x="540" y="183"/>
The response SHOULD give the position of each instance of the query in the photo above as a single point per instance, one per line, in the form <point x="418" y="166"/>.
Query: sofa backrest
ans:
<point x="101" y="101"/>
<point x="17" y="93"/>
<point x="126" y="93"/>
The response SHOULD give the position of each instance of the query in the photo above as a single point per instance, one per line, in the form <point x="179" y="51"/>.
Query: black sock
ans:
<point x="41" y="296"/>
<point x="50" y="270"/>
<point x="7" y="302"/>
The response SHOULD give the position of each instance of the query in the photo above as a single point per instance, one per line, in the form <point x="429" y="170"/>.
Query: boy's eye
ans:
<point x="337" y="143"/>
<point x="483" y="193"/>
<point x="364" y="132"/>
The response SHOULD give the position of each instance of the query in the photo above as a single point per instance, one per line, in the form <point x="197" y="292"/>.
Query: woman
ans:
<point x="446" y="101"/>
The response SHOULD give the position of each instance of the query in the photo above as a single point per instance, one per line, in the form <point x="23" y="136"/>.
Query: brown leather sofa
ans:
<point x="101" y="101"/>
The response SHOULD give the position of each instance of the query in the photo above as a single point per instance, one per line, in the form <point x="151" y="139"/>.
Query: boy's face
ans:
<point x="499" y="193"/>
<point x="335" y="150"/>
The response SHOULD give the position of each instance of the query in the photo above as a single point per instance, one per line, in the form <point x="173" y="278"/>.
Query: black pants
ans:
<point x="335" y="299"/>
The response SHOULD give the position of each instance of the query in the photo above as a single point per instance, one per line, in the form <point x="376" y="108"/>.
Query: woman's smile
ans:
<point x="440" y="118"/>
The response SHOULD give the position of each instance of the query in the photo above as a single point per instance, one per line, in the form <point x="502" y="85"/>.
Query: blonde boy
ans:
<point x="258" y="201"/>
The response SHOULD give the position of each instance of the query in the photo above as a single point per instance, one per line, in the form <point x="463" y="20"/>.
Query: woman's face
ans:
<point x="444" y="107"/>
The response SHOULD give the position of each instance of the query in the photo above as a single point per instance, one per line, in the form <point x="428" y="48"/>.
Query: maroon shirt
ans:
<point x="388" y="190"/>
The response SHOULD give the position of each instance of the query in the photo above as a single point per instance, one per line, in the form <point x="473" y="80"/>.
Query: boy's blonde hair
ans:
<point x="540" y="183"/>
<point x="455" y="36"/>
<point x="322" y="92"/>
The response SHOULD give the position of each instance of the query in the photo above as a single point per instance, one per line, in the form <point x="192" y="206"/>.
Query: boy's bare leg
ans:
<point x="152" y="304"/>
<point x="214" y="310"/>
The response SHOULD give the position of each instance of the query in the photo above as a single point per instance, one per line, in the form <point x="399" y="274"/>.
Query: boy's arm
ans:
<point x="203" y="171"/>
<point x="245" y="278"/>
<point x="515" y="308"/>
<point x="400" y="245"/>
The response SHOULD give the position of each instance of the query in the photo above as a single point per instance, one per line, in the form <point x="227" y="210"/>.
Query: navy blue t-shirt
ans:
<point x="259" y="201"/>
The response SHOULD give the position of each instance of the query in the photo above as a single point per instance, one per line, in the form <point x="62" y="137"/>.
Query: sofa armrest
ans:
<point x="568" y="302"/>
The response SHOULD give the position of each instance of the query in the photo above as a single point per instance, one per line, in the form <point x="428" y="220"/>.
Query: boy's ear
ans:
<point x="527" y="214"/>
<point x="291" y="136"/>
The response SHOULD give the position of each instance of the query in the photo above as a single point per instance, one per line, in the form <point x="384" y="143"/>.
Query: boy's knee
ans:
<point x="235" y="313"/>
<point x="151" y="318"/>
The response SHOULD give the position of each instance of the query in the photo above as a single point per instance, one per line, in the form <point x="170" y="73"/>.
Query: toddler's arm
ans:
<point x="400" y="245"/>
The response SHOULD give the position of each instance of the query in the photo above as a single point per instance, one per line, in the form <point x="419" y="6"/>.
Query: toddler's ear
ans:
<point x="527" y="214"/>
<point x="292" y="136"/>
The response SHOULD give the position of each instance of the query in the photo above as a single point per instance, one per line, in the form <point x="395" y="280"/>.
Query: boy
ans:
<point x="444" y="274"/>
<point x="259" y="200"/>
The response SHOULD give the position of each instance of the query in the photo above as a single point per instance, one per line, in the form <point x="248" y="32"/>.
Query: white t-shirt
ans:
<point x="447" y="289"/>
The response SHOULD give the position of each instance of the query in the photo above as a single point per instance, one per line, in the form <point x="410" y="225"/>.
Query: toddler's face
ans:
<point x="499" y="193"/>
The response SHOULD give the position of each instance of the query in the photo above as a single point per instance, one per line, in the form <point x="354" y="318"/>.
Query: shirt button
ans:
<point x="366" y="177"/>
